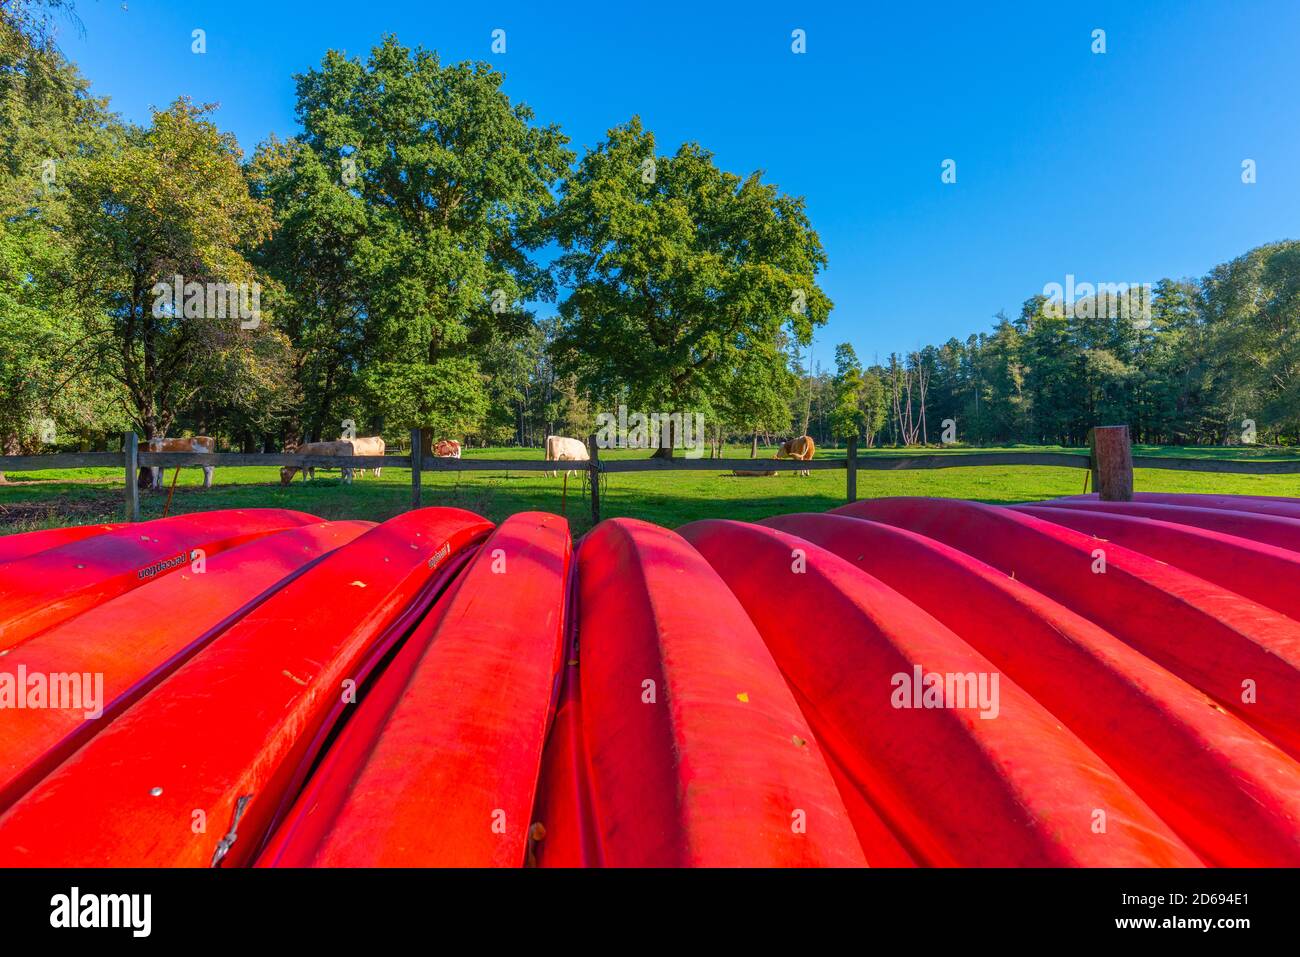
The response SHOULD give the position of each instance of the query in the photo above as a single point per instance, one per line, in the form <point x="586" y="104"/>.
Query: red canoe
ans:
<point x="697" y="753"/>
<point x="564" y="788"/>
<point x="968" y="771"/>
<point x="1241" y="653"/>
<point x="1226" y="790"/>
<point x="456" y="722"/>
<point x="902" y="682"/>
<point x="1263" y="504"/>
<point x="29" y="543"/>
<point x="218" y="748"/>
<point x="1269" y="528"/>
<point x="132" y="643"/>
<point x="53" y="585"/>
<point x="1264" y="573"/>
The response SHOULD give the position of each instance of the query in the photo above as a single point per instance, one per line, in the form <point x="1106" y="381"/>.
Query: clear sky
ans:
<point x="1117" y="167"/>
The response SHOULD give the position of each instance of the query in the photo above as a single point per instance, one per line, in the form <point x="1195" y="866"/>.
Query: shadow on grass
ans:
<point x="667" y="500"/>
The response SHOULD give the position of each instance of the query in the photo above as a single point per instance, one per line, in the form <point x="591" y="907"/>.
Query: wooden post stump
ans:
<point x="851" y="467"/>
<point x="131" y="458"/>
<point x="1112" y="463"/>
<point x="593" y="469"/>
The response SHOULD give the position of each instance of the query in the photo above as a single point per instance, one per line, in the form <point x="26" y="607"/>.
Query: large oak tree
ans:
<point x="677" y="270"/>
<point x="452" y="185"/>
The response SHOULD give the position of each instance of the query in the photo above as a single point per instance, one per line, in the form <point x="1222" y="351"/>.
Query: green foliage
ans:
<point x="860" y="406"/>
<point x="754" y="395"/>
<point x="1252" y="317"/>
<point x="445" y="396"/>
<point x="409" y="210"/>
<point x="170" y="201"/>
<point x="1213" y="356"/>
<point x="48" y="121"/>
<point x="684" y="277"/>
<point x="401" y="243"/>
<point x="321" y="238"/>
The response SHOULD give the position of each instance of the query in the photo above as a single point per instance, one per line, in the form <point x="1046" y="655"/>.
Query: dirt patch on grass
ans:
<point x="62" y="511"/>
<point x="26" y="478"/>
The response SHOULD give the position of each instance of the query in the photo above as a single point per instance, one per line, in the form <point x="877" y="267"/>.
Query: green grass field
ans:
<point x="32" y="500"/>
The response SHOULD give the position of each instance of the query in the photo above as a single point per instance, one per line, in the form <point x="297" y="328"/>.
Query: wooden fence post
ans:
<point x="417" y="459"/>
<point x="131" y="457"/>
<point x="593" y="469"/>
<point x="851" y="468"/>
<point x="1112" y="463"/>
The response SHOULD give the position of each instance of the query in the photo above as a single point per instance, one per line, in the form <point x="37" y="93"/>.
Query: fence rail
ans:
<point x="1216" y="465"/>
<point x="1110" y="461"/>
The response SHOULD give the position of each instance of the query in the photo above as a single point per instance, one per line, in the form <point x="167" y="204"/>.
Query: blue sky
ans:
<point x="1115" y="167"/>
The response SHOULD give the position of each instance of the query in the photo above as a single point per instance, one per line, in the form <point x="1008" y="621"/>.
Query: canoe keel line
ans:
<point x="900" y="682"/>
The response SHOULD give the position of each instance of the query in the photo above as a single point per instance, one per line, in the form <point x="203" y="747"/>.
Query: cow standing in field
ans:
<point x="559" y="448"/>
<point x="340" y="448"/>
<point x="366" y="445"/>
<point x="801" y="448"/>
<point x="200" y="443"/>
<point x="446" y="449"/>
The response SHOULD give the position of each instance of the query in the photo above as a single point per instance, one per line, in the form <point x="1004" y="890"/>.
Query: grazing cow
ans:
<point x="200" y="443"/>
<point x="562" y="449"/>
<point x="340" y="448"/>
<point x="801" y="448"/>
<point x="367" y="445"/>
<point x="446" y="449"/>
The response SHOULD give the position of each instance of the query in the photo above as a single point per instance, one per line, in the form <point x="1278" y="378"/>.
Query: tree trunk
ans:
<point x="10" y="446"/>
<point x="665" y="450"/>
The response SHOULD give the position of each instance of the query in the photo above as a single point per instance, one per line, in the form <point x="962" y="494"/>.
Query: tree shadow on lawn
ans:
<point x="673" y="510"/>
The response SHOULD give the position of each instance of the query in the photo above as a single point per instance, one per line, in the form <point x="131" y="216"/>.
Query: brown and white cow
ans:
<point x="339" y="448"/>
<point x="365" y="445"/>
<point x="199" y="443"/>
<point x="801" y="448"/>
<point x="446" y="449"/>
<point x="560" y="448"/>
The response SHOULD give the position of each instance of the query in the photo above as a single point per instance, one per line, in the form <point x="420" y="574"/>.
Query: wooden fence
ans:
<point x="1110" y="460"/>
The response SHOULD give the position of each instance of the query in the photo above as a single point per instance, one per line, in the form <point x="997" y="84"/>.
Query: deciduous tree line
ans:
<point x="1213" y="361"/>
<point x="400" y="245"/>
<point x="404" y="242"/>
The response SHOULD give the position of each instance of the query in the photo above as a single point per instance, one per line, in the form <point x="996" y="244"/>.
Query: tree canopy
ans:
<point x="443" y="190"/>
<point x="681" y="273"/>
<point x="426" y="253"/>
<point x="171" y="205"/>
